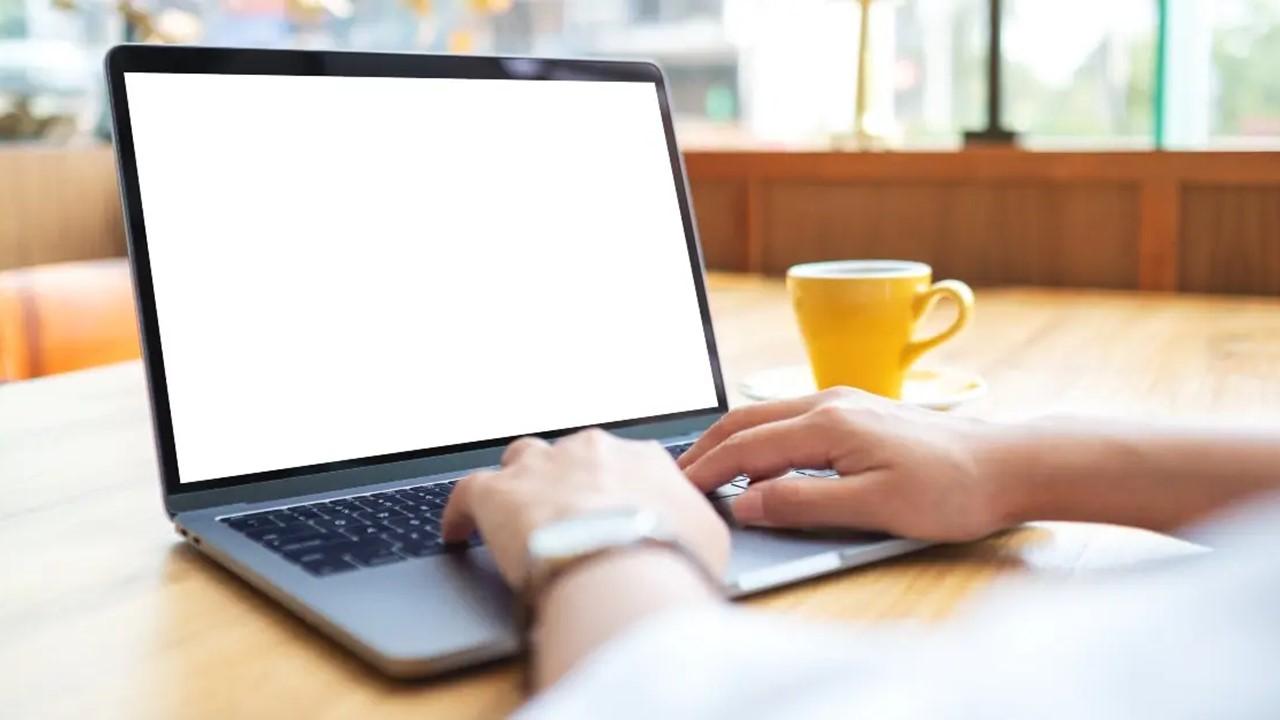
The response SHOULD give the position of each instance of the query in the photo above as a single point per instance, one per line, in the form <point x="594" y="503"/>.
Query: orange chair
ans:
<point x="65" y="316"/>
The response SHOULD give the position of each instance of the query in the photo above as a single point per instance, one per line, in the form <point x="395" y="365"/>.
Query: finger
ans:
<point x="757" y="481"/>
<point x="458" y="522"/>
<point x="520" y="447"/>
<point x="748" y="416"/>
<point x="800" y="502"/>
<point x="810" y="440"/>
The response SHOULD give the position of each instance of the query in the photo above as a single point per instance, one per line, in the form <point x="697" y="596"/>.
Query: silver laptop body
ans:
<point x="235" y="477"/>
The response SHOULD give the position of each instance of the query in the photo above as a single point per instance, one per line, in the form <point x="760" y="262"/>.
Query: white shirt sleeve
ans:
<point x="716" y="663"/>
<point x="1194" y="638"/>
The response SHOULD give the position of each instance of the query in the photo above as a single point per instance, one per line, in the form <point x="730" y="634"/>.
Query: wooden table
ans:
<point x="103" y="613"/>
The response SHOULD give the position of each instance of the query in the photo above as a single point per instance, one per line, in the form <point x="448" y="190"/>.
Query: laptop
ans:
<point x="359" y="276"/>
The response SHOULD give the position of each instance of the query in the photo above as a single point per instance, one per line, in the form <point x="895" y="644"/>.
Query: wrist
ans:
<point x="1060" y="469"/>
<point x="601" y="597"/>
<point x="1009" y="458"/>
<point x="628" y="570"/>
<point x="557" y="546"/>
<point x="610" y="561"/>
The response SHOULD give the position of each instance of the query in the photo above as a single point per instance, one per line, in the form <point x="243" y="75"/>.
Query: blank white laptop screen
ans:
<point x="348" y="267"/>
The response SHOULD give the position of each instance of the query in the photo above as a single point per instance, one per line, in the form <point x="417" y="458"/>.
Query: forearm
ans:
<point x="603" y="597"/>
<point x="1141" y="475"/>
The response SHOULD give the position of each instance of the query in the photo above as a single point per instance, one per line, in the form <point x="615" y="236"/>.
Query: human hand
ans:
<point x="903" y="470"/>
<point x="540" y="483"/>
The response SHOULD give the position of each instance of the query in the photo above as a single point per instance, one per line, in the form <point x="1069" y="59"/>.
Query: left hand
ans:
<point x="589" y="471"/>
<point x="901" y="469"/>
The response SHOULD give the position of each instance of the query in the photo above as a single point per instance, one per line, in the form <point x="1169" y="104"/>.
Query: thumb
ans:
<point x="797" y="502"/>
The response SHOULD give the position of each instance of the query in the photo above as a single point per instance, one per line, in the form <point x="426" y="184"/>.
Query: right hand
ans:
<point x="902" y="470"/>
<point x="588" y="471"/>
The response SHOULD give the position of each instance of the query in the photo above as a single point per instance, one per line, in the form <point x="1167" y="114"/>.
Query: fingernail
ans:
<point x="748" y="508"/>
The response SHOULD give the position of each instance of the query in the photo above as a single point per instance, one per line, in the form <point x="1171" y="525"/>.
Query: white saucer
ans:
<point x="932" y="388"/>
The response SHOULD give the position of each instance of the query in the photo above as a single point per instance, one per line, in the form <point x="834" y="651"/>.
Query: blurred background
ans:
<point x="777" y="73"/>
<point x="1123" y="144"/>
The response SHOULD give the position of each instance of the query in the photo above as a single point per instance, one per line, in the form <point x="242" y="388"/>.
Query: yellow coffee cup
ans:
<point x="858" y="319"/>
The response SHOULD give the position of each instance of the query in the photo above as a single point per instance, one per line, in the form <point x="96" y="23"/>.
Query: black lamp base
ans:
<point x="991" y="136"/>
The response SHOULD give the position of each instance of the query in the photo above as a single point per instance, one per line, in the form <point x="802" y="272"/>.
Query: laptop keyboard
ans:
<point x="722" y="493"/>
<point x="333" y="536"/>
<point x="678" y="450"/>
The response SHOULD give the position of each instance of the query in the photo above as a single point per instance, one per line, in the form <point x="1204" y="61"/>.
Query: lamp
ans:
<point x="995" y="133"/>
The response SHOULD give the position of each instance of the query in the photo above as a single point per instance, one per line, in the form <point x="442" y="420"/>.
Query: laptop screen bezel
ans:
<point x="234" y="61"/>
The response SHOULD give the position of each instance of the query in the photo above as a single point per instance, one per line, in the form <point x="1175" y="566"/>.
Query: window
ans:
<point x="937" y="71"/>
<point x="1081" y="73"/>
<point x="1243" y="103"/>
<point x="777" y="73"/>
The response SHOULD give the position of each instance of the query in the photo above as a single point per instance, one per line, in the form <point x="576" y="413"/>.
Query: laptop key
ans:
<point x="337" y="522"/>
<point x="315" y="554"/>
<point x="411" y="536"/>
<point x="304" y="512"/>
<point x="422" y="548"/>
<point x="371" y="553"/>
<point x="273" y="532"/>
<point x="678" y="450"/>
<point x="364" y="503"/>
<point x="362" y="530"/>
<point x="256" y="520"/>
<point x="402" y="503"/>
<point x="818" y="473"/>
<point x="327" y="565"/>
<point x="417" y="510"/>
<point x="336" y="508"/>
<point x="306" y="541"/>
<point x="379" y="516"/>
<point x="284" y="517"/>
<point x="725" y="491"/>
<point x="408" y="523"/>
<point x="333" y="545"/>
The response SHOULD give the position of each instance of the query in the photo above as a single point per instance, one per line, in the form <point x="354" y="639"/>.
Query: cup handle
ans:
<point x="953" y="289"/>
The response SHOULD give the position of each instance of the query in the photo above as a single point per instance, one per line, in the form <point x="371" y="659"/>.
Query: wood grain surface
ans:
<point x="105" y="614"/>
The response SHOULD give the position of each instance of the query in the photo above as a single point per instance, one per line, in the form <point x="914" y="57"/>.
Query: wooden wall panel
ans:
<point x="721" y="212"/>
<point x="986" y="233"/>
<point x="1230" y="239"/>
<point x="1103" y="219"/>
<point x="58" y="204"/>
<point x="1093" y="232"/>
